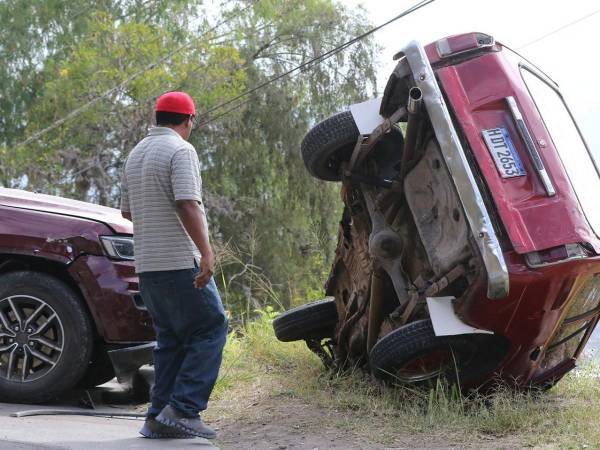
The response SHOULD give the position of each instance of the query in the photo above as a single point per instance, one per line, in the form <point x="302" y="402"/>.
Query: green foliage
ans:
<point x="91" y="72"/>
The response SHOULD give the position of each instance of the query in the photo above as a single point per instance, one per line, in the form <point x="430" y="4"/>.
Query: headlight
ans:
<point x="118" y="247"/>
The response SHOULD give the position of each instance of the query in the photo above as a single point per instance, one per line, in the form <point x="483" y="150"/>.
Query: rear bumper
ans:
<point x="126" y="361"/>
<point x="531" y="317"/>
<point x="478" y="218"/>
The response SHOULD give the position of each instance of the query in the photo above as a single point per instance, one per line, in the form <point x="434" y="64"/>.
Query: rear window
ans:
<point x="571" y="148"/>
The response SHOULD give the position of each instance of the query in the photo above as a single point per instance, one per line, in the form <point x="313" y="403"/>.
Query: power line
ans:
<point x="35" y="136"/>
<point x="320" y="58"/>
<point x="587" y="16"/>
<point x="315" y="60"/>
<point x="224" y="113"/>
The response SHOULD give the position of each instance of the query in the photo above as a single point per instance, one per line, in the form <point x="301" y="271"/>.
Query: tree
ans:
<point x="123" y="54"/>
<point x="253" y="157"/>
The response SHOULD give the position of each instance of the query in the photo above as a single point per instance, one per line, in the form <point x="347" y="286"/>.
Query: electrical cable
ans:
<point x="342" y="47"/>
<point x="587" y="16"/>
<point x="320" y="58"/>
<point x="35" y="136"/>
<point x="315" y="60"/>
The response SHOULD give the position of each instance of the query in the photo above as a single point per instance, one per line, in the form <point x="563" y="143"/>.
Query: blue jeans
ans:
<point x="191" y="329"/>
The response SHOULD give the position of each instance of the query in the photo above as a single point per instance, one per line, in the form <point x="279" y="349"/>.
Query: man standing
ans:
<point x="161" y="194"/>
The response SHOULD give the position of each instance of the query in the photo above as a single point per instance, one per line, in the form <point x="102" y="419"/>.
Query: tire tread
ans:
<point x="314" y="320"/>
<point x="324" y="139"/>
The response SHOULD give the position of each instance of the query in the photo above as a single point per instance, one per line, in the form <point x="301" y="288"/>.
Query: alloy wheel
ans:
<point x="31" y="338"/>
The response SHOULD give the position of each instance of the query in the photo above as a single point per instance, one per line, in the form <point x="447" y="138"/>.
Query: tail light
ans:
<point x="555" y="255"/>
<point x="463" y="43"/>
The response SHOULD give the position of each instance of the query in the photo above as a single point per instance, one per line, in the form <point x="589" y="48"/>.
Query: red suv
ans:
<point x="468" y="246"/>
<point x="70" y="311"/>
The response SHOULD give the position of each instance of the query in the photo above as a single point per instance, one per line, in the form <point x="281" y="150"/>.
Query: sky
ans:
<point x="553" y="34"/>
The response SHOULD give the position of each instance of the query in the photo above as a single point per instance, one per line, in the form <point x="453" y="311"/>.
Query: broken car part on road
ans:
<point x="468" y="245"/>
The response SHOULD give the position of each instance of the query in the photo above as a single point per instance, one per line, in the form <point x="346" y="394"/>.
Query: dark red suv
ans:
<point x="70" y="311"/>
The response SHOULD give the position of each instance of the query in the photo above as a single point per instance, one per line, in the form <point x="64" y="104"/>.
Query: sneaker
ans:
<point x="192" y="425"/>
<point x="153" y="429"/>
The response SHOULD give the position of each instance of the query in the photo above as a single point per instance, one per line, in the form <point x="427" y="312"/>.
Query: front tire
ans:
<point x="46" y="337"/>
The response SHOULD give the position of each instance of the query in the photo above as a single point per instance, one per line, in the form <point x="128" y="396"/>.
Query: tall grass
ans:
<point x="567" y="416"/>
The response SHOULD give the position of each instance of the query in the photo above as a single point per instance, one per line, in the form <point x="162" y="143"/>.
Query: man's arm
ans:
<point x="193" y="218"/>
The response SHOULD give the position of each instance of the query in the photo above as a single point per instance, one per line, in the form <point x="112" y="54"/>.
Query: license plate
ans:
<point x="504" y="153"/>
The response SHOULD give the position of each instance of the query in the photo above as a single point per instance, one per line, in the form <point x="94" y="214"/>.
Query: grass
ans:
<point x="257" y="365"/>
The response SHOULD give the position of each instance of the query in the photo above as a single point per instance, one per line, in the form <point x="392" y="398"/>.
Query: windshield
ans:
<point x="568" y="143"/>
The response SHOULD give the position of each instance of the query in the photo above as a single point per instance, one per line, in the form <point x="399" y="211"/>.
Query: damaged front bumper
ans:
<point x="126" y="361"/>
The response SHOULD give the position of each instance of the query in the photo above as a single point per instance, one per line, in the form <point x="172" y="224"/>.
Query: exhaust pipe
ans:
<point x="413" y="124"/>
<point x="414" y="107"/>
<point x="415" y="99"/>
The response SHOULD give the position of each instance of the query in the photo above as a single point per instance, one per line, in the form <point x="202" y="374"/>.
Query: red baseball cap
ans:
<point x="176" y="102"/>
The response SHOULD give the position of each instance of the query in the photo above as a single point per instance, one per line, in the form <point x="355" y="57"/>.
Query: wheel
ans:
<point x="45" y="338"/>
<point x="414" y="354"/>
<point x="315" y="320"/>
<point x="332" y="141"/>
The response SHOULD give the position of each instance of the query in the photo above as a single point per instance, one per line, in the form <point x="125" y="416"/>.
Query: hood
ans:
<point x="58" y="205"/>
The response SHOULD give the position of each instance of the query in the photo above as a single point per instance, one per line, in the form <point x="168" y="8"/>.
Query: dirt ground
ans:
<point x="258" y="420"/>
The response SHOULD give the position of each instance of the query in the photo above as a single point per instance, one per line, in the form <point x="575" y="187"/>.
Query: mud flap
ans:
<point x="366" y="115"/>
<point x="444" y="319"/>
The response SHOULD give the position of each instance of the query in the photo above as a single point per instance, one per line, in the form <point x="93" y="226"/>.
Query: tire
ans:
<point x="52" y="353"/>
<point x="413" y="354"/>
<point x="315" y="320"/>
<point x="332" y="141"/>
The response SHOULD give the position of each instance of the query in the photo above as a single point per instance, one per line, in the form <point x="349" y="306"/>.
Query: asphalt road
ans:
<point x="82" y="432"/>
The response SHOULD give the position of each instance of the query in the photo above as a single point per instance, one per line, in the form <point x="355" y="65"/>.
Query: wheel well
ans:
<point x="11" y="263"/>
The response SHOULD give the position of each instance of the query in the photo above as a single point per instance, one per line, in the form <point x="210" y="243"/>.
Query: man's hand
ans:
<point x="207" y="268"/>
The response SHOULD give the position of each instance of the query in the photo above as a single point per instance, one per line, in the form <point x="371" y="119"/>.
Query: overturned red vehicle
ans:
<point x="468" y="246"/>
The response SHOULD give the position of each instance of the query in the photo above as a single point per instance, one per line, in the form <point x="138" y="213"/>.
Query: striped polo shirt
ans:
<point x="161" y="169"/>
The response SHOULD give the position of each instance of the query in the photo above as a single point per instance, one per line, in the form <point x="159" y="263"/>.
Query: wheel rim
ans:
<point x="31" y="338"/>
<point x="425" y="367"/>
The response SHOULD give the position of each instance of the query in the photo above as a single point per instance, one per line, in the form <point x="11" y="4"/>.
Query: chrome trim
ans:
<point x="531" y="149"/>
<point x="460" y="171"/>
